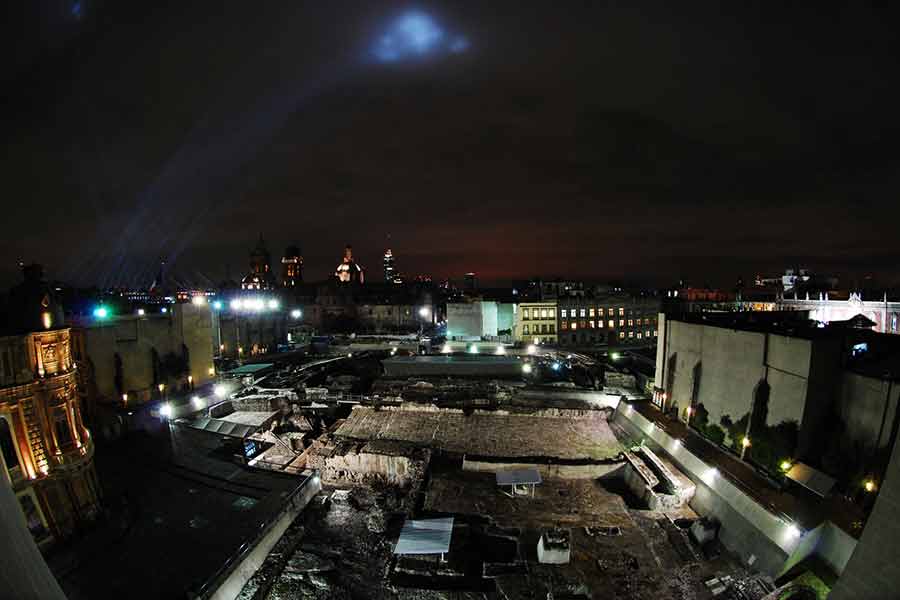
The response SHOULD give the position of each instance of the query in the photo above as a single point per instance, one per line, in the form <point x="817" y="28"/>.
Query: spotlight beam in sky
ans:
<point x="174" y="210"/>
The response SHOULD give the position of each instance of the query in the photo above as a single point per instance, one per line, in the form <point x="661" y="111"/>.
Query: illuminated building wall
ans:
<point x="47" y="452"/>
<point x="389" y="272"/>
<point x="260" y="276"/>
<point x="349" y="271"/>
<point x="535" y="321"/>
<point x="125" y="354"/>
<point x="805" y="376"/>
<point x="291" y="267"/>
<point x="615" y="320"/>
<point x="885" y="313"/>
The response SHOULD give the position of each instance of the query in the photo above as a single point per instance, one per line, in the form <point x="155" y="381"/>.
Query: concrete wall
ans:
<point x="506" y="316"/>
<point x="748" y="529"/>
<point x="460" y="366"/>
<point x="132" y="338"/>
<point x="873" y="569"/>
<point x="868" y="408"/>
<point x="555" y="471"/>
<point x="472" y="320"/>
<point x="732" y="364"/>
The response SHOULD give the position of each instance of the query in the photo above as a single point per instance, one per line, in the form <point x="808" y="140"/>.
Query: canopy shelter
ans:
<point x="514" y="477"/>
<point x="425" y="536"/>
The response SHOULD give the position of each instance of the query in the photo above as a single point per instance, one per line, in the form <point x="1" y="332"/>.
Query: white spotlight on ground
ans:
<point x="220" y="391"/>
<point x="197" y="402"/>
<point x="166" y="410"/>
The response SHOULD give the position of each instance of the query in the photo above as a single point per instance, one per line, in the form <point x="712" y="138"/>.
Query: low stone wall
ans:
<point x="548" y="471"/>
<point x="649" y="479"/>
<point x="361" y="462"/>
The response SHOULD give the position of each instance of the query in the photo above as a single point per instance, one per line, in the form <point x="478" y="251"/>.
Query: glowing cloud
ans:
<point x="415" y="35"/>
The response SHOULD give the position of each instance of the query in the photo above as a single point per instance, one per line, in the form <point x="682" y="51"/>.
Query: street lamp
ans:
<point x="296" y="313"/>
<point x="745" y="443"/>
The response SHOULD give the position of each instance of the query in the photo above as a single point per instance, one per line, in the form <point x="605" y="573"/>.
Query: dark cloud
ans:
<point x="595" y="140"/>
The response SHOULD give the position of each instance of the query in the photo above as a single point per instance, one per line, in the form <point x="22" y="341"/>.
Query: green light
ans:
<point x="101" y="312"/>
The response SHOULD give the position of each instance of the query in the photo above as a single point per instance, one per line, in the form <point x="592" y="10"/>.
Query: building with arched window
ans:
<point x="47" y="453"/>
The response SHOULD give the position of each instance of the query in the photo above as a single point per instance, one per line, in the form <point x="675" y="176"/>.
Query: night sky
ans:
<point x="601" y="140"/>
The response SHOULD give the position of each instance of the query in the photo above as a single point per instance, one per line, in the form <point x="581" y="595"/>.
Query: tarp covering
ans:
<point x="518" y="477"/>
<point x="427" y="536"/>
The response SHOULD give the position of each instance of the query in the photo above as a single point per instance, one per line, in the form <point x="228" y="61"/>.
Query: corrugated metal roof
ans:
<point x="518" y="477"/>
<point x="813" y="480"/>
<point x="223" y="427"/>
<point x="248" y="369"/>
<point x="426" y="536"/>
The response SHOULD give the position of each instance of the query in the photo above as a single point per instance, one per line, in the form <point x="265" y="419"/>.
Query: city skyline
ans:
<point x="615" y="148"/>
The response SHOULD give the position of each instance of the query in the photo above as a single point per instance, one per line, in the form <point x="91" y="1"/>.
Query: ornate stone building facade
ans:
<point x="47" y="453"/>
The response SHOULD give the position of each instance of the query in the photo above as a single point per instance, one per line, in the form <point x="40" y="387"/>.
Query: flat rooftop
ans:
<point x="179" y="510"/>
<point x="567" y="435"/>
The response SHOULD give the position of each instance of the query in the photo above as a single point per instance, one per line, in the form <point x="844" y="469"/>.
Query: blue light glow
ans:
<point x="415" y="35"/>
<point x="100" y="312"/>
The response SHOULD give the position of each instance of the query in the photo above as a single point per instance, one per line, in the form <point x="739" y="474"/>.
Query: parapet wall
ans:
<point x="761" y="539"/>
<point x="547" y="471"/>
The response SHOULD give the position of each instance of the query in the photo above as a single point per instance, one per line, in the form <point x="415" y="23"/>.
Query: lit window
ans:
<point x="621" y="312"/>
<point x="612" y="323"/>
<point x="543" y="313"/>
<point x="639" y="335"/>
<point x="612" y="312"/>
<point x="574" y="325"/>
<point x="599" y="312"/>
<point x="591" y="312"/>
<point x="525" y="330"/>
<point x="631" y="334"/>
<point x="631" y="322"/>
<point x="564" y="325"/>
<point x="582" y="313"/>
<point x="525" y="314"/>
<point x="622" y="335"/>
<point x="592" y="324"/>
<point x="647" y="333"/>
<point x="654" y="334"/>
<point x="621" y="322"/>
<point x="600" y="324"/>
<point x="562" y="313"/>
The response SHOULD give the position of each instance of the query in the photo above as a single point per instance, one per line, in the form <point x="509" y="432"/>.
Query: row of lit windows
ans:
<point x="544" y="328"/>
<point x="597" y="312"/>
<point x="543" y="313"/>
<point x="599" y="324"/>
<point x="631" y="335"/>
